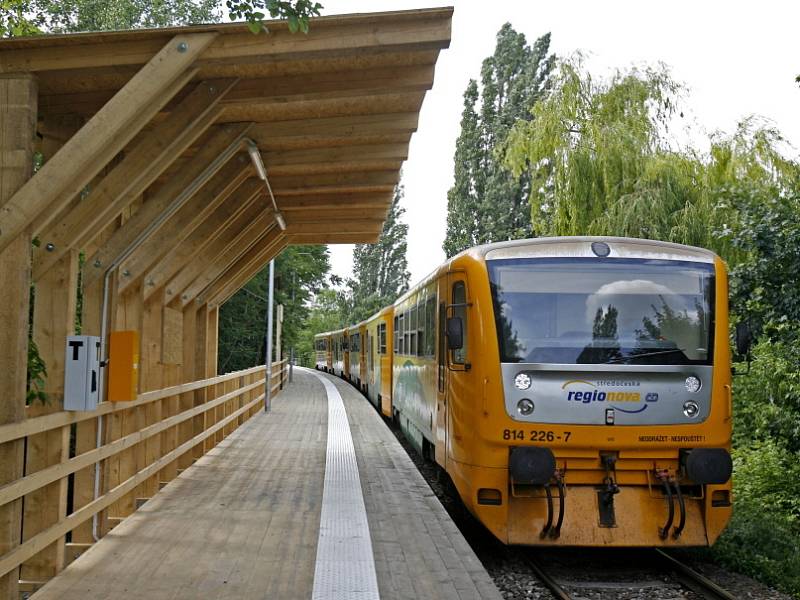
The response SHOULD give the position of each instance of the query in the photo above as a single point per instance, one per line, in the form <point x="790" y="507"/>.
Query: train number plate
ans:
<point x="535" y="435"/>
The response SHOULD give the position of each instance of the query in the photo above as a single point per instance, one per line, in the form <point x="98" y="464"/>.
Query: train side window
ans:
<point x="394" y="343"/>
<point x="401" y="349"/>
<point x="430" y="327"/>
<point x="412" y="331"/>
<point x="460" y="310"/>
<point x="382" y="338"/>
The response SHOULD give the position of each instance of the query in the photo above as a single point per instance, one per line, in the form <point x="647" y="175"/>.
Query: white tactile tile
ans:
<point x="345" y="565"/>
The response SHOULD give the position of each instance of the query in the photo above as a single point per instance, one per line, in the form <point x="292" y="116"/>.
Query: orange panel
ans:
<point x="123" y="366"/>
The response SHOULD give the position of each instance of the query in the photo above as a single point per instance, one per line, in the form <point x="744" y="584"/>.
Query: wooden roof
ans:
<point x="154" y="122"/>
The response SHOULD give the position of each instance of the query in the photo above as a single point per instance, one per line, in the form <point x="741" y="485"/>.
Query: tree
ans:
<point x="486" y="202"/>
<point x="381" y="269"/>
<point x="300" y="272"/>
<point x="27" y="17"/>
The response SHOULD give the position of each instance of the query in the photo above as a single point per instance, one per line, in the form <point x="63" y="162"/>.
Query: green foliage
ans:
<point x="761" y="539"/>
<point x="67" y="16"/>
<point x="37" y="373"/>
<point x="300" y="272"/>
<point x="326" y="313"/>
<point x="17" y="18"/>
<point x="486" y="202"/>
<point x="296" y="13"/>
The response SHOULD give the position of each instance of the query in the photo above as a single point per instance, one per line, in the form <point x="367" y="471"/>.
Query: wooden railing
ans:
<point x="129" y="461"/>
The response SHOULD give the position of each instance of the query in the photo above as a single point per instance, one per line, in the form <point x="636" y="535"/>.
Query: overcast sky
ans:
<point x="737" y="59"/>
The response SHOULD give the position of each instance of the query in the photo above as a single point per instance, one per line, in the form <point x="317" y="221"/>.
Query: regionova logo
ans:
<point x="586" y="392"/>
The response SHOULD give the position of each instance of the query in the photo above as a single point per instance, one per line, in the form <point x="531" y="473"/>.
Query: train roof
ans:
<point x="575" y="246"/>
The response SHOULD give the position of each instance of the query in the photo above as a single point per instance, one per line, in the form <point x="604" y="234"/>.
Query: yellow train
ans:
<point x="576" y="390"/>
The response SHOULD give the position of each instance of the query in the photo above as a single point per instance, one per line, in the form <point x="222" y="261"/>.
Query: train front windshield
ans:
<point x="603" y="311"/>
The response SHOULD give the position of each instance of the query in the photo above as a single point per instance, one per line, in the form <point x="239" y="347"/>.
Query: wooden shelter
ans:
<point x="148" y="190"/>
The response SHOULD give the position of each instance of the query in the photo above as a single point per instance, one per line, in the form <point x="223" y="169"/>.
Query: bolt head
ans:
<point x="49" y="246"/>
<point x="183" y="47"/>
<point x="126" y="273"/>
<point x="184" y="297"/>
<point x="97" y="263"/>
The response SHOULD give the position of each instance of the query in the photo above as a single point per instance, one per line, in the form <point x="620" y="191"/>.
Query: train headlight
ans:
<point x="522" y="381"/>
<point x="691" y="409"/>
<point x="693" y="384"/>
<point x="525" y="407"/>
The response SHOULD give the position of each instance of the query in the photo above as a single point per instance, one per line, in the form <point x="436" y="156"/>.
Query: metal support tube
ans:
<point x="268" y="339"/>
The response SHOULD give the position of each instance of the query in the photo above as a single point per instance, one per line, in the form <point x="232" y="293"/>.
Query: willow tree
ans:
<point x="486" y="202"/>
<point x="603" y="160"/>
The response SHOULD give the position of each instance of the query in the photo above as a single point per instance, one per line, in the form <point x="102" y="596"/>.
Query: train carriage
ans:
<point x="378" y="350"/>
<point x="341" y="356"/>
<point x="323" y="354"/>
<point x="355" y="369"/>
<point x="576" y="390"/>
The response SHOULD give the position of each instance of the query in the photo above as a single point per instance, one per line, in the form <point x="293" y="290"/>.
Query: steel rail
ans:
<point x="551" y="584"/>
<point x="693" y="580"/>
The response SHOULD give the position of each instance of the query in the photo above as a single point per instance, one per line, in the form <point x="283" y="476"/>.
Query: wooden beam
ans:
<point x="354" y="226"/>
<point x="260" y="227"/>
<point x="226" y="246"/>
<point x="331" y="183"/>
<point x="333" y="238"/>
<point x="63" y="176"/>
<point x="193" y="246"/>
<point x="137" y="170"/>
<point x="324" y="85"/>
<point x="238" y="276"/>
<point x="340" y="216"/>
<point x="316" y="202"/>
<point x="349" y="125"/>
<point x="185" y="220"/>
<point x="363" y="104"/>
<point x="17" y="133"/>
<point x="348" y="35"/>
<point x="227" y="266"/>
<point x="224" y="141"/>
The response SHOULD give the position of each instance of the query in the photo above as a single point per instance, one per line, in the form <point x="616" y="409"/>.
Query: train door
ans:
<point x="452" y="361"/>
<point x="440" y="431"/>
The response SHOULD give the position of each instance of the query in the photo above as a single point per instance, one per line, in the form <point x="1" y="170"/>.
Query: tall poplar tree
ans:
<point x="486" y="202"/>
<point x="380" y="270"/>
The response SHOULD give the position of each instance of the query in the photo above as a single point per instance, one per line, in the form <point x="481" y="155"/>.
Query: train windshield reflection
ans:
<point x="603" y="311"/>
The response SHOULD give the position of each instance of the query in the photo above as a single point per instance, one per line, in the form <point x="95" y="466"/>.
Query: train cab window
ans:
<point x="382" y="338"/>
<point x="460" y="310"/>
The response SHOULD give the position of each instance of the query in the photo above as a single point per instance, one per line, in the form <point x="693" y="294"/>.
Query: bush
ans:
<point x="762" y="538"/>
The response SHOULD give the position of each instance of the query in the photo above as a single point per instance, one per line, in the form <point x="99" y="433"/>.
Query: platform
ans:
<point x="243" y="522"/>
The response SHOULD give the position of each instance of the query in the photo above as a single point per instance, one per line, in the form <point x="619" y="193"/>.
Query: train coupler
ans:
<point x="666" y="479"/>
<point x="605" y="496"/>
<point x="555" y="532"/>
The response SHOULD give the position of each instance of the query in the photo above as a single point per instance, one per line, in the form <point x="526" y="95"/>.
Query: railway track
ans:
<point x="685" y="575"/>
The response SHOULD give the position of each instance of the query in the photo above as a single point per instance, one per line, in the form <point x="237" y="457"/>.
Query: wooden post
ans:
<point x="200" y="372"/>
<point x="53" y="321"/>
<point x="18" y="106"/>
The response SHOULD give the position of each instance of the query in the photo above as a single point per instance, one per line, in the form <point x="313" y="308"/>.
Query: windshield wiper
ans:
<point x="644" y="354"/>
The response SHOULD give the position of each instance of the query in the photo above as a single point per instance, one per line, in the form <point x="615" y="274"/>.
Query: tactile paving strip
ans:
<point x="345" y="566"/>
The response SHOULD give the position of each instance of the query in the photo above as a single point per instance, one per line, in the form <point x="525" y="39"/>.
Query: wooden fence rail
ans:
<point x="222" y="403"/>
